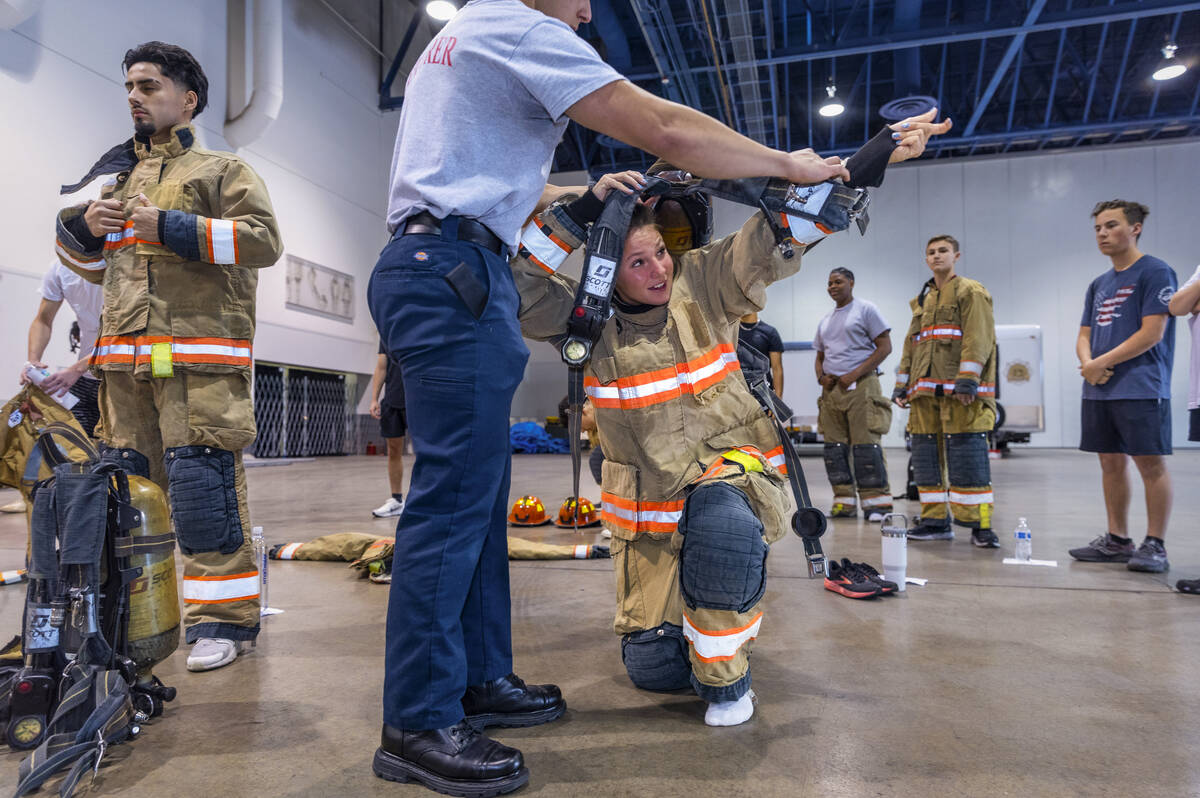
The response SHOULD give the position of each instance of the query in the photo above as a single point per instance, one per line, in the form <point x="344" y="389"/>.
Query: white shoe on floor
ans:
<point x="209" y="653"/>
<point x="389" y="508"/>
<point x="606" y="533"/>
<point x="730" y="713"/>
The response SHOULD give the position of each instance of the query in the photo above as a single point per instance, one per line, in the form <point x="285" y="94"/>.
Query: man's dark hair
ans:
<point x="842" y="270"/>
<point x="953" y="241"/>
<point x="1135" y="212"/>
<point x="175" y="63"/>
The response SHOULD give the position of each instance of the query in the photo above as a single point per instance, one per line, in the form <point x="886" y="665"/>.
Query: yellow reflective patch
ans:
<point x="746" y="461"/>
<point x="160" y="360"/>
<point x="985" y="516"/>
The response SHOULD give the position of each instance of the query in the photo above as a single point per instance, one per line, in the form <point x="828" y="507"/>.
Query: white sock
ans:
<point x="730" y="713"/>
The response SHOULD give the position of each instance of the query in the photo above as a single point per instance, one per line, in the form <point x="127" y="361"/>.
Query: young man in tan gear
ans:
<point x="176" y="239"/>
<point x="948" y="375"/>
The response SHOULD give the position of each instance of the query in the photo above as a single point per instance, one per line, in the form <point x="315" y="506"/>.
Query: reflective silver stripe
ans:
<point x="970" y="367"/>
<point x="97" y="265"/>
<point x="545" y="251"/>
<point x="722" y="646"/>
<point x="932" y="496"/>
<point x="239" y="587"/>
<point x="970" y="498"/>
<point x="875" y="501"/>
<point x="582" y="551"/>
<point x="223" y="235"/>
<point x="288" y="552"/>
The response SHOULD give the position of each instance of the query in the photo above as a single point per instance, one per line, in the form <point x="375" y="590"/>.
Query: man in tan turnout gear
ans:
<point x="947" y="376"/>
<point x="176" y="239"/>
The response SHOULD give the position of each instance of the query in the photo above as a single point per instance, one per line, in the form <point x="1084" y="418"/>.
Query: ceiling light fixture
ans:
<point x="831" y="107"/>
<point x="441" y="10"/>
<point x="1169" y="68"/>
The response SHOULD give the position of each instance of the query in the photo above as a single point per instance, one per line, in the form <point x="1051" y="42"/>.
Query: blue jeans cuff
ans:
<point x="717" y="695"/>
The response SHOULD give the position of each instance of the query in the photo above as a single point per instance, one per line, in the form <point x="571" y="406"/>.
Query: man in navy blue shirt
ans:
<point x="1126" y="346"/>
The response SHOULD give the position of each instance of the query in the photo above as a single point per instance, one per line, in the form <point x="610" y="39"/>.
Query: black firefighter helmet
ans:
<point x="695" y="206"/>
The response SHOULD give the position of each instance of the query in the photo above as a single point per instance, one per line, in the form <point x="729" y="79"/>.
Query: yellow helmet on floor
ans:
<point x="528" y="511"/>
<point x="588" y="514"/>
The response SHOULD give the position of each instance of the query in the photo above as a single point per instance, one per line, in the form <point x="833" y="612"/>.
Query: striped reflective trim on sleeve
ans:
<point x="970" y="367"/>
<point x="288" y="552"/>
<point x="720" y="645"/>
<point x="220" y="589"/>
<point x="641" y="516"/>
<point x="96" y="264"/>
<point x="541" y="246"/>
<point x="220" y="237"/>
<point x="803" y="231"/>
<point x="663" y="385"/>
<point x="967" y="496"/>
<point x="582" y="551"/>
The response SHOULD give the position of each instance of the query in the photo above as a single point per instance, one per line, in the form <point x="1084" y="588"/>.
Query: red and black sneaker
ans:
<point x="849" y="582"/>
<point x="868" y="573"/>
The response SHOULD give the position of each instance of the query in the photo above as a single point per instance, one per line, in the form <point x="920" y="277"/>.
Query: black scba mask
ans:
<point x="695" y="204"/>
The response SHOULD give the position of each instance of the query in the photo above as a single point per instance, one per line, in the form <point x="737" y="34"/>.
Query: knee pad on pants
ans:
<point x="722" y="564"/>
<point x="201" y="481"/>
<point x="131" y="461"/>
<point x="927" y="467"/>
<point x="657" y="659"/>
<point x="837" y="464"/>
<point x="967" y="459"/>
<point x="869" y="469"/>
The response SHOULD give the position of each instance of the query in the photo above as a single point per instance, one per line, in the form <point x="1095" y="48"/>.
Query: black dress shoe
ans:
<point x="457" y="760"/>
<point x="508" y="701"/>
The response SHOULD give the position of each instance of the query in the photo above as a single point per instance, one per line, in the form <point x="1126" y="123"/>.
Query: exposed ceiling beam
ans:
<point x="1014" y="47"/>
<point x="884" y="42"/>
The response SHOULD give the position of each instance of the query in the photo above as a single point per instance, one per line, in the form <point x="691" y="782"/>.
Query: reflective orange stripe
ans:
<point x="662" y="385"/>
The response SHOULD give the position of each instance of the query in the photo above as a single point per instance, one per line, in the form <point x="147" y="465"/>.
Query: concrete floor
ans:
<point x="991" y="680"/>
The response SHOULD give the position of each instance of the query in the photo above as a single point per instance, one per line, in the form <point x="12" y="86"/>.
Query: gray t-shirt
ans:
<point x="847" y="336"/>
<point x="483" y="111"/>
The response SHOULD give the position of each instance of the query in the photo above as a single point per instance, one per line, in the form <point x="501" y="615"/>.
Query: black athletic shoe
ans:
<point x="886" y="586"/>
<point x="1191" y="586"/>
<point x="984" y="539"/>
<point x="1103" y="549"/>
<point x="846" y="580"/>
<point x="1150" y="557"/>
<point x="508" y="701"/>
<point x="928" y="532"/>
<point x="457" y="760"/>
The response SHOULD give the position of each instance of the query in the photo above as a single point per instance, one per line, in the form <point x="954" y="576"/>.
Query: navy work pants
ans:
<point x="455" y="334"/>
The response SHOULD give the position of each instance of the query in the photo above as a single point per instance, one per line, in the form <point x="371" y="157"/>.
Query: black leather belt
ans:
<point x="426" y="224"/>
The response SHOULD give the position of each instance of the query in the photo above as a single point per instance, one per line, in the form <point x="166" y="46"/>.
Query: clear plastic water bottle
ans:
<point x="1024" y="538"/>
<point x="259" y="544"/>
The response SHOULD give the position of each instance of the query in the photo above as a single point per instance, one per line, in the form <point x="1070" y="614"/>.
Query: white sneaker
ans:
<point x="876" y="516"/>
<point x="389" y="508"/>
<point x="209" y="653"/>
<point x="606" y="533"/>
<point x="730" y="713"/>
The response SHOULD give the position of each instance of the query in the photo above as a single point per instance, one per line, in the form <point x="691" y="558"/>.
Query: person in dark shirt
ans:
<point x="393" y="424"/>
<point x="765" y="339"/>
<point x="1126" y="346"/>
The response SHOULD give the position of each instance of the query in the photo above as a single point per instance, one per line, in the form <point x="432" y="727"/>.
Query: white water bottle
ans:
<point x="895" y="549"/>
<point x="1024" y="539"/>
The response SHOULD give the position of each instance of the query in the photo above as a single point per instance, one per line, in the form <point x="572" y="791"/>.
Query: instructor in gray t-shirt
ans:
<point x="853" y="413"/>
<point x="484" y="108"/>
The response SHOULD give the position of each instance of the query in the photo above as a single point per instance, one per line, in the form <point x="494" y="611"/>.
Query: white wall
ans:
<point x="325" y="159"/>
<point x="1026" y="234"/>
